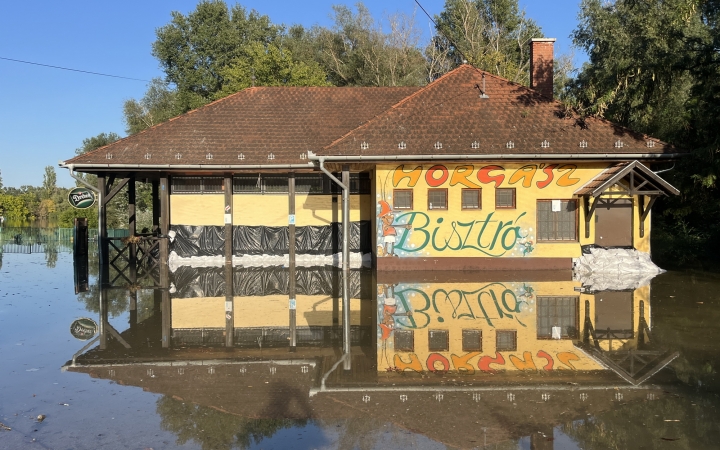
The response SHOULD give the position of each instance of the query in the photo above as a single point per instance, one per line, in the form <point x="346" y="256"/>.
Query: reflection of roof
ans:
<point x="644" y="181"/>
<point x="445" y="408"/>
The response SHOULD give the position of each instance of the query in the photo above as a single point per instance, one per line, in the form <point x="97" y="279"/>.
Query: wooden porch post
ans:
<point x="229" y="295"/>
<point x="132" y="228"/>
<point x="156" y="206"/>
<point x="103" y="245"/>
<point x="291" y="263"/>
<point x="164" y="210"/>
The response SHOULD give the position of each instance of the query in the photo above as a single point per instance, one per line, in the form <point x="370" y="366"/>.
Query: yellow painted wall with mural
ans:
<point x="497" y="311"/>
<point x="265" y="311"/>
<point x="268" y="209"/>
<point x="487" y="231"/>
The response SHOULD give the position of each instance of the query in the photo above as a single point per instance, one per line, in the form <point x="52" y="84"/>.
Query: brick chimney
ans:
<point x="541" y="65"/>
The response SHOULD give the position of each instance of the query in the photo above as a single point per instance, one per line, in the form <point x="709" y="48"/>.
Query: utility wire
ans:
<point x="457" y="49"/>
<point x="73" y="70"/>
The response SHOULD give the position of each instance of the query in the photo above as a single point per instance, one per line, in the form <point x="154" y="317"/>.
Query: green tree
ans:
<point x="193" y="49"/>
<point x="358" y="52"/>
<point x="49" y="182"/>
<point x="492" y="35"/>
<point x="267" y="65"/>
<point x="654" y="67"/>
<point x="157" y="105"/>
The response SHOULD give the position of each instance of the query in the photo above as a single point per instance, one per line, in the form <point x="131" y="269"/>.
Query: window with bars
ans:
<point x="472" y="340"/>
<point x="404" y="341"/>
<point x="438" y="340"/>
<point x="471" y="199"/>
<point x="402" y="199"/>
<point x="437" y="199"/>
<point x="557" y="220"/>
<point x="506" y="340"/>
<point x="309" y="184"/>
<point x="196" y="185"/>
<point x="505" y="198"/>
<point x="247" y="184"/>
<point x="559" y="312"/>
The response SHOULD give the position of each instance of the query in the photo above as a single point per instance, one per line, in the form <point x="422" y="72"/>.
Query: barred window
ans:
<point x="472" y="340"/>
<point x="506" y="340"/>
<point x="309" y="184"/>
<point x="471" y="199"/>
<point x="559" y="312"/>
<point x="247" y="183"/>
<point x="505" y="198"/>
<point x="275" y="184"/>
<point x="402" y="199"/>
<point x="196" y="185"/>
<point x="437" y="199"/>
<point x="404" y="341"/>
<point x="558" y="223"/>
<point x="438" y="340"/>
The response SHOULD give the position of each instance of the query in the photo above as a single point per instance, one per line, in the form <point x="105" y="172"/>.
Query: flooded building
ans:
<point x="469" y="172"/>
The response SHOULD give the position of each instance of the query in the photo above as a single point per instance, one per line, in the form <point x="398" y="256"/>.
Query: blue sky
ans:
<point x="46" y="113"/>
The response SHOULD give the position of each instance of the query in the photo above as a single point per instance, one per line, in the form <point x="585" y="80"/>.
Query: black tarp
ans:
<point x="262" y="240"/>
<point x="260" y="281"/>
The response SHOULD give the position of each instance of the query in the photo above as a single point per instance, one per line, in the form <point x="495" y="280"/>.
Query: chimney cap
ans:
<point x="543" y="40"/>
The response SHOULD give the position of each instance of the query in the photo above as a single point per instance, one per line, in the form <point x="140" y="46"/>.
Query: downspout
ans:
<point x="345" y="260"/>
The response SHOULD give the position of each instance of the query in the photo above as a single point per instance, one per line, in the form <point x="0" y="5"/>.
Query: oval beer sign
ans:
<point x="83" y="329"/>
<point x="81" y="198"/>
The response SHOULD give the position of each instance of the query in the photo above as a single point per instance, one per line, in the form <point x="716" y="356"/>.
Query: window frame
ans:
<point x="412" y="199"/>
<point x="497" y="335"/>
<point x="576" y="317"/>
<point x="514" y="198"/>
<point x="480" y="340"/>
<point x="478" y="191"/>
<point x="537" y="221"/>
<point x="404" y="349"/>
<point x="446" y="347"/>
<point x="443" y="190"/>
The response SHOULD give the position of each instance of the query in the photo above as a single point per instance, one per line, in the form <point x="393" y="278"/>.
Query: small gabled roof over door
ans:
<point x="633" y="176"/>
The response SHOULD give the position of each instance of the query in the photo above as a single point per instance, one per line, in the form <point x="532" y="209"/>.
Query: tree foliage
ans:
<point x="654" y="68"/>
<point x="493" y="35"/>
<point x="157" y="105"/>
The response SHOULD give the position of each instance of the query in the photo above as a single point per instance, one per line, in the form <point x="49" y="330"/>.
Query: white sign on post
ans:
<point x="228" y="219"/>
<point x="291" y="219"/>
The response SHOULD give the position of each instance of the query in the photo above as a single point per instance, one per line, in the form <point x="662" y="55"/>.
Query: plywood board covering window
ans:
<point x="471" y="199"/>
<point x="437" y="199"/>
<point x="472" y="340"/>
<point x="404" y="341"/>
<point x="402" y="199"/>
<point x="506" y="340"/>
<point x="505" y="198"/>
<point x="558" y="222"/>
<point x="438" y="340"/>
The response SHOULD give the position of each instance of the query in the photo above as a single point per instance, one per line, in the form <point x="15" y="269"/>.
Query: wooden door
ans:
<point x="613" y="222"/>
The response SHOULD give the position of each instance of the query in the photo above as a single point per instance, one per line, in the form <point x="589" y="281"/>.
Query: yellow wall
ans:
<point x="268" y="209"/>
<point x="454" y="232"/>
<point x="266" y="311"/>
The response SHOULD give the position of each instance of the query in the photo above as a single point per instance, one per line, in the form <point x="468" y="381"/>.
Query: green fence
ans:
<point x="32" y="240"/>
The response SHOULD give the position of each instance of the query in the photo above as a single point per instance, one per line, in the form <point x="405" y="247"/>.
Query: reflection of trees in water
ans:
<point x="357" y="433"/>
<point x="51" y="253"/>
<point x="214" y="429"/>
<point x="692" y="421"/>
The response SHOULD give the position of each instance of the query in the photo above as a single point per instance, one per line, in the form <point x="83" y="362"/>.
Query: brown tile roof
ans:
<point x="279" y="125"/>
<point x="256" y="122"/>
<point x="448" y="117"/>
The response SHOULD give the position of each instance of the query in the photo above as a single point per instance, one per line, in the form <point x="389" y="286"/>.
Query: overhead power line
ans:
<point x="73" y="70"/>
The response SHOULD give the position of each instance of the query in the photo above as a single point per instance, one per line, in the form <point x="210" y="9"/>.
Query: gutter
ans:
<point x="187" y="166"/>
<point x="477" y="157"/>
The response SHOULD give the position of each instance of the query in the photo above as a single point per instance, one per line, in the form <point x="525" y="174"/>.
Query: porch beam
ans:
<point x="115" y="189"/>
<point x="644" y="211"/>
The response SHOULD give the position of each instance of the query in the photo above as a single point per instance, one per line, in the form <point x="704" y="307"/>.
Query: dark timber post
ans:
<point x="335" y="273"/>
<point x="132" y="228"/>
<point x="229" y="307"/>
<point x="164" y="255"/>
<point x="346" y="264"/>
<point x="103" y="246"/>
<point x="156" y="206"/>
<point x="291" y="263"/>
<point x="103" y="316"/>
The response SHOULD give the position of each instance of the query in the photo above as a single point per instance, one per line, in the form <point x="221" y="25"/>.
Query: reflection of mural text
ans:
<point x="437" y="362"/>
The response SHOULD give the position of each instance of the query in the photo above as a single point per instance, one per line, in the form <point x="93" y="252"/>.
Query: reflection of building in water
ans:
<point x="488" y="326"/>
<point x="522" y="356"/>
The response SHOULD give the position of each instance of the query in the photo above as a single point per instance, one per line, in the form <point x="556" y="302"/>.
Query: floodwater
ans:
<point x="437" y="361"/>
